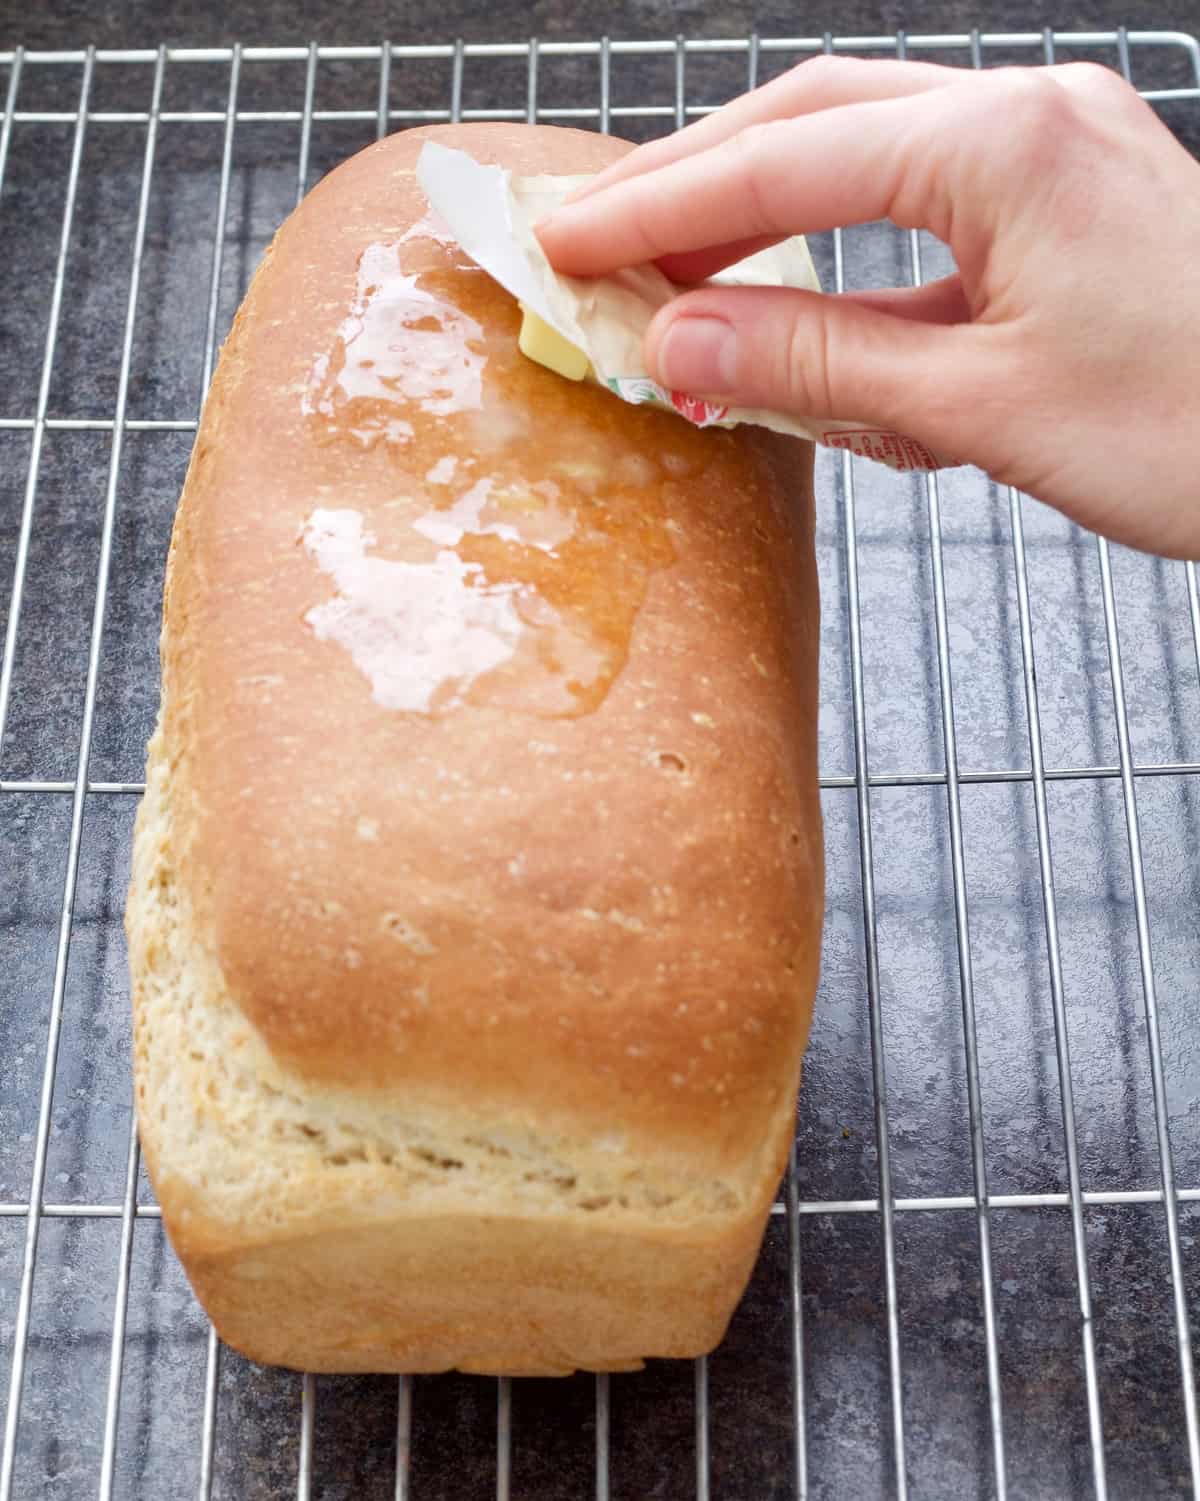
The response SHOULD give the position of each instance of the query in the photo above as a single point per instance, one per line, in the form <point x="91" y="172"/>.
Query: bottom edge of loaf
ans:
<point x="497" y="1296"/>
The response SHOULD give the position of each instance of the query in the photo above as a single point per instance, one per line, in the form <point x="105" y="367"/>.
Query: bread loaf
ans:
<point x="477" y="887"/>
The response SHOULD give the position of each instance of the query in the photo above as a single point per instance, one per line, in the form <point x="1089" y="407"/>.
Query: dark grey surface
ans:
<point x="71" y="23"/>
<point x="751" y="1375"/>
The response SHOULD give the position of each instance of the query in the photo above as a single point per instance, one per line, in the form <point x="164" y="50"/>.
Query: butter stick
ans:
<point x="546" y="346"/>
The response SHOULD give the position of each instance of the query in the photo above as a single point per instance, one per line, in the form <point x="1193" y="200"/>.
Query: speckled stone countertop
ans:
<point x="752" y="1425"/>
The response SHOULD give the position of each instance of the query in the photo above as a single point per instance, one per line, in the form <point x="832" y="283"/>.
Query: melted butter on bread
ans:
<point x="509" y="576"/>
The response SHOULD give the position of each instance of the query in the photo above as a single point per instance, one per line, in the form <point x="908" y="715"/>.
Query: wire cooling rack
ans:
<point x="980" y="1277"/>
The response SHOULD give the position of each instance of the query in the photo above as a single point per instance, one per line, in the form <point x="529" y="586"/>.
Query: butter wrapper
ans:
<point x="491" y="213"/>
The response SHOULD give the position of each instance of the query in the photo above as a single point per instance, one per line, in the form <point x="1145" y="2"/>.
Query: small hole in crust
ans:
<point x="669" y="761"/>
<point x="346" y="1157"/>
<point x="554" y="1180"/>
<point x="423" y="1154"/>
<point x="490" y="1147"/>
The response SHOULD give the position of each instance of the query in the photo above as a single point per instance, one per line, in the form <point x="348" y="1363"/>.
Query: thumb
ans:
<point x="813" y="355"/>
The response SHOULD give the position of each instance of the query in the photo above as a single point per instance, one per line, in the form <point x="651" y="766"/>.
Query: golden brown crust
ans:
<point x="575" y="921"/>
<point x="442" y="1295"/>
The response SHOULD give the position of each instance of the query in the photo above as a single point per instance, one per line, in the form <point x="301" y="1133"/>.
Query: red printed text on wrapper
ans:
<point x="697" y="410"/>
<point x="887" y="448"/>
<point x="639" y="389"/>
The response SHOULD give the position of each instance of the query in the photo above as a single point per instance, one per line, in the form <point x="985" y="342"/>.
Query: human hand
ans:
<point x="1064" y="355"/>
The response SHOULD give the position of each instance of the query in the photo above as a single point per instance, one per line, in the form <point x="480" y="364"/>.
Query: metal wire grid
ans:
<point x="1041" y="47"/>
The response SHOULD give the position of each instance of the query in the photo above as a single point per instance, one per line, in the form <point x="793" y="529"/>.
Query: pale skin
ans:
<point x="1064" y="355"/>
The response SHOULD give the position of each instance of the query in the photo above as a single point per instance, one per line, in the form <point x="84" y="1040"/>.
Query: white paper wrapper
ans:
<point x="492" y="213"/>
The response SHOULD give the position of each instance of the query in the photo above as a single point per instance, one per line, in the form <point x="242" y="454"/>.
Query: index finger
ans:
<point x="846" y="165"/>
<point x="823" y="82"/>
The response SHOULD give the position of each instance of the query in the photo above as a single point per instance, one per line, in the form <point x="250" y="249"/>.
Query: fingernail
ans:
<point x="698" y="354"/>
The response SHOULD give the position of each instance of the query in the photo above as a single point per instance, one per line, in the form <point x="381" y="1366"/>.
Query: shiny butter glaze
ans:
<point x="510" y="565"/>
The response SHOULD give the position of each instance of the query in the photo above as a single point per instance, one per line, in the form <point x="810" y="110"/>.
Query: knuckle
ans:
<point x="1094" y="81"/>
<point x="1035" y="107"/>
<point x="1033" y="92"/>
<point x="650" y="216"/>
<point x="804" y="364"/>
<point x="755" y="153"/>
<point x="750" y="141"/>
<point x="824" y="79"/>
<point x="822" y="65"/>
